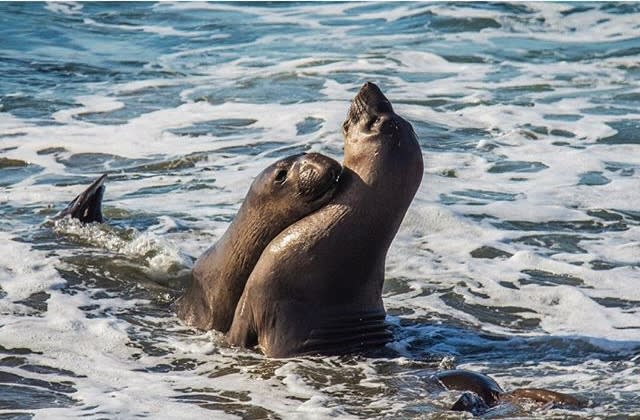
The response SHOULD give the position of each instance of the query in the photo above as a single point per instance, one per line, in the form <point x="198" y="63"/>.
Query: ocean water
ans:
<point x="519" y="257"/>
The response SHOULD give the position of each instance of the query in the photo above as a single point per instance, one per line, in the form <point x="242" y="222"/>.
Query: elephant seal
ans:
<point x="87" y="206"/>
<point x="317" y="288"/>
<point x="485" y="393"/>
<point x="282" y="194"/>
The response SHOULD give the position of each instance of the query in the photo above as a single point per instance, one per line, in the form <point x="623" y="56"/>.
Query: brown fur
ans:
<point x="491" y="394"/>
<point x="282" y="194"/>
<point x="317" y="288"/>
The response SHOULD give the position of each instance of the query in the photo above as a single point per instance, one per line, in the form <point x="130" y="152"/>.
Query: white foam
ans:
<point x="154" y="29"/>
<point x="90" y="104"/>
<point x="161" y="256"/>
<point x="426" y="62"/>
<point x="11" y="124"/>
<point x="24" y="272"/>
<point x="64" y="7"/>
<point x="431" y="253"/>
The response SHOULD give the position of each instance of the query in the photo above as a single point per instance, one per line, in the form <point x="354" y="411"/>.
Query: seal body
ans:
<point x="464" y="380"/>
<point x="280" y="195"/>
<point x="317" y="288"/>
<point x="484" y="393"/>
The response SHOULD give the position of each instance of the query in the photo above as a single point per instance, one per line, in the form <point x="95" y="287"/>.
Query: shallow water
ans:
<point x="519" y="257"/>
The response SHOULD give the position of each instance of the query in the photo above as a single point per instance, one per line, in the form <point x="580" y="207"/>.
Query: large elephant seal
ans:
<point x="283" y="193"/>
<point x="317" y="286"/>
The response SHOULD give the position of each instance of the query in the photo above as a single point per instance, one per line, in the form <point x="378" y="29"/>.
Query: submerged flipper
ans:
<point x="86" y="207"/>
<point x="544" y="396"/>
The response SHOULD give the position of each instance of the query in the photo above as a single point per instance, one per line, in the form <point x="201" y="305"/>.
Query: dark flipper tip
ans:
<point x="87" y="206"/>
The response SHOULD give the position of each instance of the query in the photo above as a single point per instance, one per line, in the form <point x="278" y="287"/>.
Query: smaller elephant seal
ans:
<point x="483" y="392"/>
<point x="317" y="287"/>
<point x="282" y="194"/>
<point x="87" y="206"/>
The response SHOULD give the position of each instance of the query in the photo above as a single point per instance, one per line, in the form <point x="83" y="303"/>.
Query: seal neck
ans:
<point x="246" y="237"/>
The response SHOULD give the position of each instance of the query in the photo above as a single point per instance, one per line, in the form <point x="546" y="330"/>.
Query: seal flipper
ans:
<point x="544" y="396"/>
<point x="87" y="206"/>
<point x="242" y="333"/>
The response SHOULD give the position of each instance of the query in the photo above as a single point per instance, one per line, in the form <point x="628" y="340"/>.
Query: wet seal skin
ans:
<point x="87" y="206"/>
<point x="483" y="392"/>
<point x="280" y="195"/>
<point x="317" y="288"/>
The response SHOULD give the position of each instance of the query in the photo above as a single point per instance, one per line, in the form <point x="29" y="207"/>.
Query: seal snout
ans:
<point x="373" y="100"/>
<point x="368" y="103"/>
<point x="319" y="175"/>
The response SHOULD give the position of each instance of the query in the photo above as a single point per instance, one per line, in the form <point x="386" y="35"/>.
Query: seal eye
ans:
<point x="373" y="120"/>
<point x="281" y="176"/>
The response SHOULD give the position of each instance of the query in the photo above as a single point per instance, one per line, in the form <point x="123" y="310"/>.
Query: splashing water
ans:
<point x="519" y="256"/>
